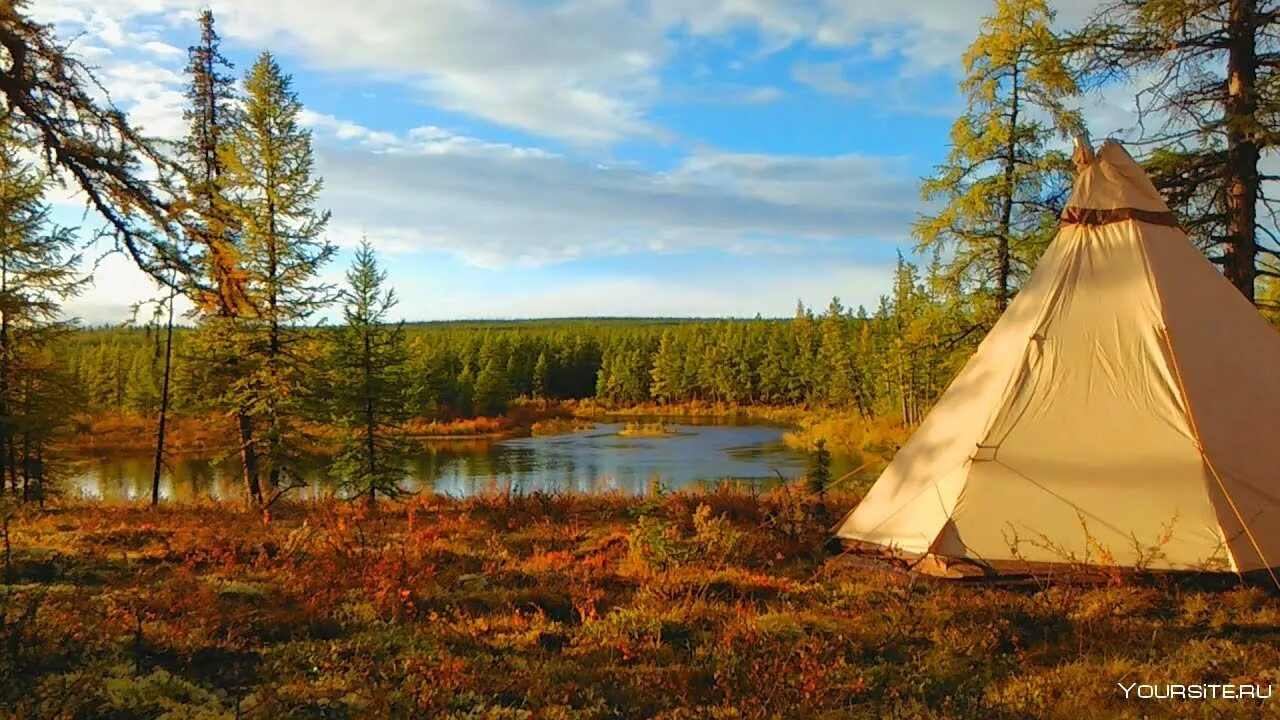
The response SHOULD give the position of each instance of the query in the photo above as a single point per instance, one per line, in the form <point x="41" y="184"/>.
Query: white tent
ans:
<point x="1125" y="411"/>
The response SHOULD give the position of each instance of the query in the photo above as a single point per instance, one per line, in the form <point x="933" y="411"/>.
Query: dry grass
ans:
<point x="120" y="432"/>
<point x="718" y="604"/>
<point x="853" y="436"/>
<point x="560" y="426"/>
<point x="124" y="433"/>
<point x="652" y="429"/>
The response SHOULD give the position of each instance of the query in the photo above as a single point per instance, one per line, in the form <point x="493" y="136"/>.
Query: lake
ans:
<point x="701" y="452"/>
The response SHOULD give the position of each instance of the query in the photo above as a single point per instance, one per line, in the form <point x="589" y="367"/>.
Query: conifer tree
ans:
<point x="369" y="384"/>
<point x="434" y="387"/>
<point x="466" y="387"/>
<point x="668" y="371"/>
<point x="43" y="400"/>
<point x="819" y="478"/>
<point x="37" y="272"/>
<point x="1269" y="297"/>
<point x="775" y="367"/>
<point x="805" y="341"/>
<point x="50" y="102"/>
<point x="834" y="350"/>
<point x="1002" y="187"/>
<point x="541" y="377"/>
<point x="269" y="176"/>
<point x="165" y="310"/>
<point x="142" y="394"/>
<point x="490" y="394"/>
<point x="217" y="364"/>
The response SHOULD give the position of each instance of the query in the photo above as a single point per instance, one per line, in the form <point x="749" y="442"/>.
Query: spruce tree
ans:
<point x="1002" y="187"/>
<point x="369" y="384"/>
<point x="269" y="176"/>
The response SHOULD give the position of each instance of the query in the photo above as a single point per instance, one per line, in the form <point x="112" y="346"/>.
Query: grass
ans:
<point x="717" y="604"/>
<point x="873" y="441"/>
<point x="780" y="414"/>
<point x="650" y="429"/>
<point x="122" y="432"/>
<point x="560" y="426"/>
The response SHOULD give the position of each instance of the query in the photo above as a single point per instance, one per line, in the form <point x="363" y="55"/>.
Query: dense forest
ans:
<point x="886" y="362"/>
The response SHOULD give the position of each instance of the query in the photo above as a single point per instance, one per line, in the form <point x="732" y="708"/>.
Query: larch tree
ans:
<point x="269" y="178"/>
<point x="1001" y="185"/>
<point x="835" y="350"/>
<point x="210" y="225"/>
<point x="53" y="104"/>
<point x="369" y="384"/>
<point x="542" y="376"/>
<point x="805" y="344"/>
<point x="44" y="397"/>
<point x="667" y="374"/>
<point x="1208" y="107"/>
<point x="1269" y="297"/>
<point x="37" y="272"/>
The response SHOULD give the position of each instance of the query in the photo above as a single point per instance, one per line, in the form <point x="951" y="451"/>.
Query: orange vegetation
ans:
<point x="719" y="604"/>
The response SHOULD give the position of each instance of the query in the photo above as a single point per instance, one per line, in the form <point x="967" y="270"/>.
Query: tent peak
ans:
<point x="1083" y="154"/>
<point x="1111" y="180"/>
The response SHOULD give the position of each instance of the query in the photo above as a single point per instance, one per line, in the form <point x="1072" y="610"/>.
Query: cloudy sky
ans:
<point x="535" y="158"/>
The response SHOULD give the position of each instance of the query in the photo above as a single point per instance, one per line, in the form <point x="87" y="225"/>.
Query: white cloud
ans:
<point x="152" y="94"/>
<point x="637" y="295"/>
<point x="585" y="71"/>
<point x="931" y="35"/>
<point x="827" y="77"/>
<point x="117" y="289"/>
<point x="499" y="206"/>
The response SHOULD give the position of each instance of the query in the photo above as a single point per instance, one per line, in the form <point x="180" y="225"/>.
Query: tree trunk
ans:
<point x="248" y="458"/>
<point x="371" y="448"/>
<point x="40" y="477"/>
<point x="6" y="407"/>
<point x="11" y="460"/>
<point x="164" y="405"/>
<point x="275" y="354"/>
<point x="1242" y="179"/>
<point x="26" y="467"/>
<point x="1003" y="270"/>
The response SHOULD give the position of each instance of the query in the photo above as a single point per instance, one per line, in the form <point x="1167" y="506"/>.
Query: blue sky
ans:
<point x="516" y="158"/>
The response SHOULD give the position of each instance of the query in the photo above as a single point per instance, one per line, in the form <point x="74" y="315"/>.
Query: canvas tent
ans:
<point x="1124" y="411"/>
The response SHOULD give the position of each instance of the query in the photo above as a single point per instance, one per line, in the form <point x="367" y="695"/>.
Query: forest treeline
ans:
<point x="883" y="362"/>
<point x="228" y="219"/>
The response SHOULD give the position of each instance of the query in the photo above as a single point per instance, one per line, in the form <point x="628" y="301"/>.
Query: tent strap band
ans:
<point x="1097" y="216"/>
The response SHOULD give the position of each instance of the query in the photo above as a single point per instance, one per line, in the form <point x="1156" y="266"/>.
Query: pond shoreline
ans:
<point x="597" y="460"/>
<point x="127" y="432"/>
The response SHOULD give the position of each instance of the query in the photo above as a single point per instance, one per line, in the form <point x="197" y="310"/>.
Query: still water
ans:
<point x="596" y="460"/>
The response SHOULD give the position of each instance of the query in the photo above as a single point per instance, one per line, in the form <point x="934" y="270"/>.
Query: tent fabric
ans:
<point x="1124" y="411"/>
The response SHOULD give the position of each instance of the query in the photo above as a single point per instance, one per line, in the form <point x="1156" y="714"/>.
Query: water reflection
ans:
<point x="596" y="460"/>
